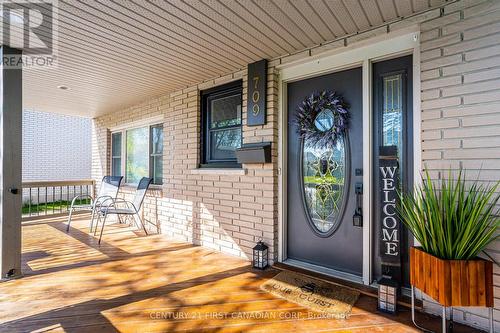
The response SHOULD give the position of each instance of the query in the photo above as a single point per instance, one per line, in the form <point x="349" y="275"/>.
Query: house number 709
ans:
<point x="256" y="96"/>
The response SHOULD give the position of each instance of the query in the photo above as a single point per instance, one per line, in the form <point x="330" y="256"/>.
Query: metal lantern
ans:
<point x="260" y="255"/>
<point x="387" y="295"/>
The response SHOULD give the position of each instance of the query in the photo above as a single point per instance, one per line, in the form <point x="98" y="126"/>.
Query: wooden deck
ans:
<point x="138" y="283"/>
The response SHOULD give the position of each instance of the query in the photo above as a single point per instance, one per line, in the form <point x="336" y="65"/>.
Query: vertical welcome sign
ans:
<point x="390" y="233"/>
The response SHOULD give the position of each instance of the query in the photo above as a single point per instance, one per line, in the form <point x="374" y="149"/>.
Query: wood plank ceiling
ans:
<point x="114" y="53"/>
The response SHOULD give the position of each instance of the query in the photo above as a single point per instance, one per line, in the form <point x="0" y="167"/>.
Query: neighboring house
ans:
<point x="55" y="147"/>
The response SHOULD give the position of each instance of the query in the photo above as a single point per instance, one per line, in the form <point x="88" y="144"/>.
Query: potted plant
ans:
<point x="453" y="220"/>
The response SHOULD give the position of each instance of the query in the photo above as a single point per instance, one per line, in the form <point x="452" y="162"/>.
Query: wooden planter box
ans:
<point x="452" y="282"/>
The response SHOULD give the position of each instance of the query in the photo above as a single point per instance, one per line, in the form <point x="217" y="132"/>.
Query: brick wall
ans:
<point x="460" y="62"/>
<point x="49" y="144"/>
<point x="228" y="211"/>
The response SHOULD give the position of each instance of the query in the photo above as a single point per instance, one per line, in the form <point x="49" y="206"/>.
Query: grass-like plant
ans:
<point x="453" y="220"/>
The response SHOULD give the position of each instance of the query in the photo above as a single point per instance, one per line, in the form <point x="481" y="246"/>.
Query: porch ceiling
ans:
<point x="116" y="53"/>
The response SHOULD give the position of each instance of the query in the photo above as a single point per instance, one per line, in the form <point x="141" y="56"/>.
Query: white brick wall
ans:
<point x="461" y="107"/>
<point x="55" y="147"/>
<point x="460" y="80"/>
<point x="225" y="211"/>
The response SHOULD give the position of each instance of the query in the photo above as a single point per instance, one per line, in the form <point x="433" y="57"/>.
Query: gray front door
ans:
<point x="321" y="198"/>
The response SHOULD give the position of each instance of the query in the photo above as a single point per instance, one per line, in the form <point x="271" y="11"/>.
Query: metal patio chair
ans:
<point x="108" y="190"/>
<point x="121" y="207"/>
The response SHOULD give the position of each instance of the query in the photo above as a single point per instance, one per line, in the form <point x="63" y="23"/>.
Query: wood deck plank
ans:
<point x="138" y="283"/>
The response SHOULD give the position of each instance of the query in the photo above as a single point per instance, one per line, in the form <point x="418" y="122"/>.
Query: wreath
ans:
<point x="322" y="119"/>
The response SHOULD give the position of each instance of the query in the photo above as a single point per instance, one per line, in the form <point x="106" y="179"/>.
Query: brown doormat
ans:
<point x="317" y="295"/>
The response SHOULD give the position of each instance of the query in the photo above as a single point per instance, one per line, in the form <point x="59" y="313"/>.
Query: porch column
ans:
<point x="10" y="166"/>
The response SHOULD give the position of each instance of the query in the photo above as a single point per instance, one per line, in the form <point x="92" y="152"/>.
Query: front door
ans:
<point x="321" y="182"/>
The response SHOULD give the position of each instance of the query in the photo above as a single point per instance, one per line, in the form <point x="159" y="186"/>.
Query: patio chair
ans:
<point x="121" y="207"/>
<point x="108" y="190"/>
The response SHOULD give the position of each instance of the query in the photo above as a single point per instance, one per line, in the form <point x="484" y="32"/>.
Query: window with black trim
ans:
<point x="221" y="124"/>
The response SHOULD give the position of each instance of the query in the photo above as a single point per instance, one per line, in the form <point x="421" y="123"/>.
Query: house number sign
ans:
<point x="256" y="97"/>
<point x="390" y="233"/>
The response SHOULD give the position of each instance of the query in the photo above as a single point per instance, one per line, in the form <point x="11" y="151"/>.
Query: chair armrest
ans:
<point x="99" y="201"/>
<point x="129" y="204"/>
<point x="82" y="196"/>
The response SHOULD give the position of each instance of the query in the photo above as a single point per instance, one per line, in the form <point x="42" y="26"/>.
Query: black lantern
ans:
<point x="387" y="295"/>
<point x="260" y="255"/>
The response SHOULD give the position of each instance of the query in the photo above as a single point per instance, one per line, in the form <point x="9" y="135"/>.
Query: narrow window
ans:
<point x="393" y="112"/>
<point x="156" y="154"/>
<point x="392" y="115"/>
<point x="116" y="154"/>
<point x="221" y="114"/>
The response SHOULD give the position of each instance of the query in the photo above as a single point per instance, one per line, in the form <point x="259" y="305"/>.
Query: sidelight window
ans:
<point x="392" y="111"/>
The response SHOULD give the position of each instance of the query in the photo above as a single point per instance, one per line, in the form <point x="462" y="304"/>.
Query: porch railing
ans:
<point x="51" y="198"/>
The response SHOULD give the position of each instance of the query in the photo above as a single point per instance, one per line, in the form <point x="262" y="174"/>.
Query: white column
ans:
<point x="10" y="166"/>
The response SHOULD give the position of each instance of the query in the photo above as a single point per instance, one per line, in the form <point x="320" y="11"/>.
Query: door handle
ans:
<point x="357" y="218"/>
<point x="13" y="190"/>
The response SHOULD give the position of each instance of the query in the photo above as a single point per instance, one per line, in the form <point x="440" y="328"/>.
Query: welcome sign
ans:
<point x="390" y="233"/>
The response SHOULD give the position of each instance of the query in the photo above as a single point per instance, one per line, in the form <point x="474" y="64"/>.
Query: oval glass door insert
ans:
<point x="323" y="174"/>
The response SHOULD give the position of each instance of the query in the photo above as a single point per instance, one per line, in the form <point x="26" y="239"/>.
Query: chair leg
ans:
<point x="97" y="222"/>
<point x="69" y="218"/>
<point x="142" y="223"/>
<point x="92" y="219"/>
<point x="134" y="220"/>
<point x="102" y="227"/>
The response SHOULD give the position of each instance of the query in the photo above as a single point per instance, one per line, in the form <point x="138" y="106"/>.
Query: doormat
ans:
<point x="335" y="300"/>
